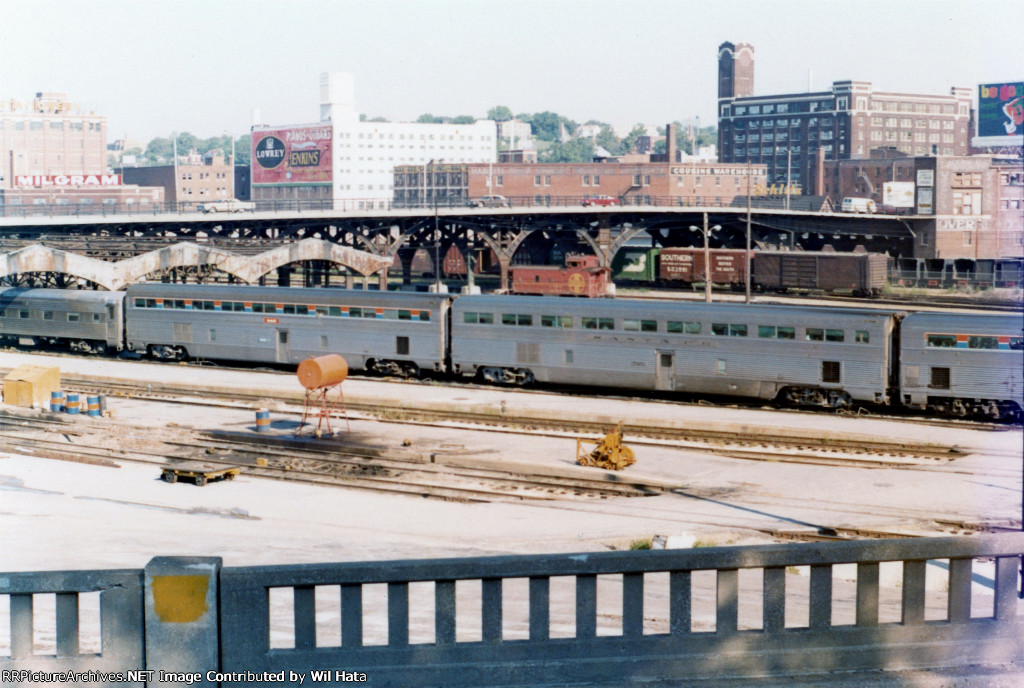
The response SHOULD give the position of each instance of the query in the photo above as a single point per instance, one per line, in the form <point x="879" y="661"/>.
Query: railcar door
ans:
<point x="282" y="346"/>
<point x="666" y="371"/>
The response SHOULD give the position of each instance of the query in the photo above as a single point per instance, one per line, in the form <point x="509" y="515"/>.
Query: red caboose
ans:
<point x="581" y="276"/>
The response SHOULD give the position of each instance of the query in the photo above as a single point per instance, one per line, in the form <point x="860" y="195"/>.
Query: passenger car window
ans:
<point x="942" y="340"/>
<point x="977" y="342"/>
<point x="862" y="337"/>
<point x="815" y="335"/>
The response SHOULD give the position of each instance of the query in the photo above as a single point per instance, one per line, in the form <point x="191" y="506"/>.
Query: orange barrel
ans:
<point x="72" y="405"/>
<point x="93" y="406"/>
<point x="322" y="371"/>
<point x="57" y="401"/>
<point x="263" y="420"/>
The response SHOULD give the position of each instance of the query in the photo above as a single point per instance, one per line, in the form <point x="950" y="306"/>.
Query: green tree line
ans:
<point x="547" y="129"/>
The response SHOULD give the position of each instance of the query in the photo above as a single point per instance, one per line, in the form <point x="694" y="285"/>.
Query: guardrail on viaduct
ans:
<point x="239" y="625"/>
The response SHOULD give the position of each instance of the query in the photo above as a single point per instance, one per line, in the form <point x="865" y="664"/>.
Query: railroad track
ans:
<point x="877" y="413"/>
<point x="435" y="475"/>
<point x="776" y="447"/>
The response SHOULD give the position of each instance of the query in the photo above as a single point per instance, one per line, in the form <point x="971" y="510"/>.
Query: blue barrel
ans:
<point x="93" y="406"/>
<point x="72" y="404"/>
<point x="263" y="420"/>
<point x="57" y="401"/>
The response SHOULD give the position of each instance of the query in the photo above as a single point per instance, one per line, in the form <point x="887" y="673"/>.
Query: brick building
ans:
<point x="660" y="183"/>
<point x="50" y="136"/>
<point x="195" y="179"/>
<point x="794" y="134"/>
<point x="977" y="201"/>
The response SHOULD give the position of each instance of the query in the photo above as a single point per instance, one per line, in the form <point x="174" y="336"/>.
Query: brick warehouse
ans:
<point x="794" y="134"/>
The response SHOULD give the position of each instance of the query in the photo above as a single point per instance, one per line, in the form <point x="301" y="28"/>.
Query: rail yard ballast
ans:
<point x="951" y="363"/>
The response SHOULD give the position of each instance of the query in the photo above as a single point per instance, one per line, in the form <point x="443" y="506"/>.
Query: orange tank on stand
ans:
<point x="319" y="376"/>
<point x="322" y="371"/>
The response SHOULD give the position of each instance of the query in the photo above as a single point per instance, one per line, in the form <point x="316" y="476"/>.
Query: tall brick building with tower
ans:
<point x="794" y="135"/>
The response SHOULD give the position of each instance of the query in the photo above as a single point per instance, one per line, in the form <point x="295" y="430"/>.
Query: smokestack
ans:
<point x="670" y="142"/>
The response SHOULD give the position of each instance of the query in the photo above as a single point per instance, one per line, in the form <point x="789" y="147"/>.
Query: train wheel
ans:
<point x="839" y="400"/>
<point x="169" y="477"/>
<point x="200" y="480"/>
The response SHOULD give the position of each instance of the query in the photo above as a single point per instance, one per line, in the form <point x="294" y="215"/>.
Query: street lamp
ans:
<point x="707" y="255"/>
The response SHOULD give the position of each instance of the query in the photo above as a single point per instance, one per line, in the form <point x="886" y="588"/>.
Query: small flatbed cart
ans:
<point x="198" y="473"/>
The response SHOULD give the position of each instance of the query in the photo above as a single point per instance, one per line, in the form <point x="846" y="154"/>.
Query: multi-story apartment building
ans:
<point x="793" y="134"/>
<point x="351" y="162"/>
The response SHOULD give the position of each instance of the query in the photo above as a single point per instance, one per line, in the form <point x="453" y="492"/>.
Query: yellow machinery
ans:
<point x="609" y="453"/>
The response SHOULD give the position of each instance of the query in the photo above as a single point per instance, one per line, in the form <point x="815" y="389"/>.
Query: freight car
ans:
<point x="941" y="273"/>
<point x="863" y="274"/>
<point x="686" y="266"/>
<point x="581" y="276"/>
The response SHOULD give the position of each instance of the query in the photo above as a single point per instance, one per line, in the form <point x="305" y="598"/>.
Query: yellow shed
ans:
<point x="31" y="385"/>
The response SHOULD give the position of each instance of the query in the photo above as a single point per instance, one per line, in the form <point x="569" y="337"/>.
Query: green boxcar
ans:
<point x="635" y="264"/>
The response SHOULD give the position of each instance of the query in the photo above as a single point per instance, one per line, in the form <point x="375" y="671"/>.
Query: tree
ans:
<point x="629" y="143"/>
<point x="429" y="119"/>
<point x="243" y="150"/>
<point x="608" y="140"/>
<point x="547" y="126"/>
<point x="159" y="151"/>
<point x="499" y="113"/>
<point x="574" y="150"/>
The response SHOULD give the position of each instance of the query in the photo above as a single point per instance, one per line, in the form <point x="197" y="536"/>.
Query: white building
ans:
<point x="355" y="159"/>
<point x="517" y="133"/>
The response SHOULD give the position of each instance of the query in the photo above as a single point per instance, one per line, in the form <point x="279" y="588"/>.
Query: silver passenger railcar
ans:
<point x="963" y="364"/>
<point x="86" y="321"/>
<point x="811" y="356"/>
<point x="394" y="333"/>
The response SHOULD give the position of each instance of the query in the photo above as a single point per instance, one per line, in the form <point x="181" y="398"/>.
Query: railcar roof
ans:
<point x="60" y="295"/>
<point x="298" y="294"/>
<point x="1010" y="322"/>
<point x="628" y="307"/>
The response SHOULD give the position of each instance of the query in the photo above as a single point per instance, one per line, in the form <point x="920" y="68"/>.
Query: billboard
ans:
<point x="292" y="156"/>
<point x="1000" y="114"/>
<point x="898" y="194"/>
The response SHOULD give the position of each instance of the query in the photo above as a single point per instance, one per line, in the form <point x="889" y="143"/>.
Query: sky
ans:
<point x="153" y="67"/>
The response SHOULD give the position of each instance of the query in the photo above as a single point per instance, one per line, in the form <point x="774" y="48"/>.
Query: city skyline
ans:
<point x="203" y="67"/>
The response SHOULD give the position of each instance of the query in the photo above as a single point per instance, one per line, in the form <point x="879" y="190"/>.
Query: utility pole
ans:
<point x="747" y="256"/>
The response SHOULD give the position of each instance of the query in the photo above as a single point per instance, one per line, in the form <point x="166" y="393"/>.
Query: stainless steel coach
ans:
<point x="82" y="320"/>
<point x="800" y="355"/>
<point x="386" y="332"/>
<point x="963" y="364"/>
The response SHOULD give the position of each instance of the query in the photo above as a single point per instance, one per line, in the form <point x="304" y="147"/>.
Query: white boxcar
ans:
<point x="801" y="355"/>
<point x="390" y="332"/>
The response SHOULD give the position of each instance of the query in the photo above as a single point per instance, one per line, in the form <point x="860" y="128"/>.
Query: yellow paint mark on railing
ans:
<point x="180" y="599"/>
